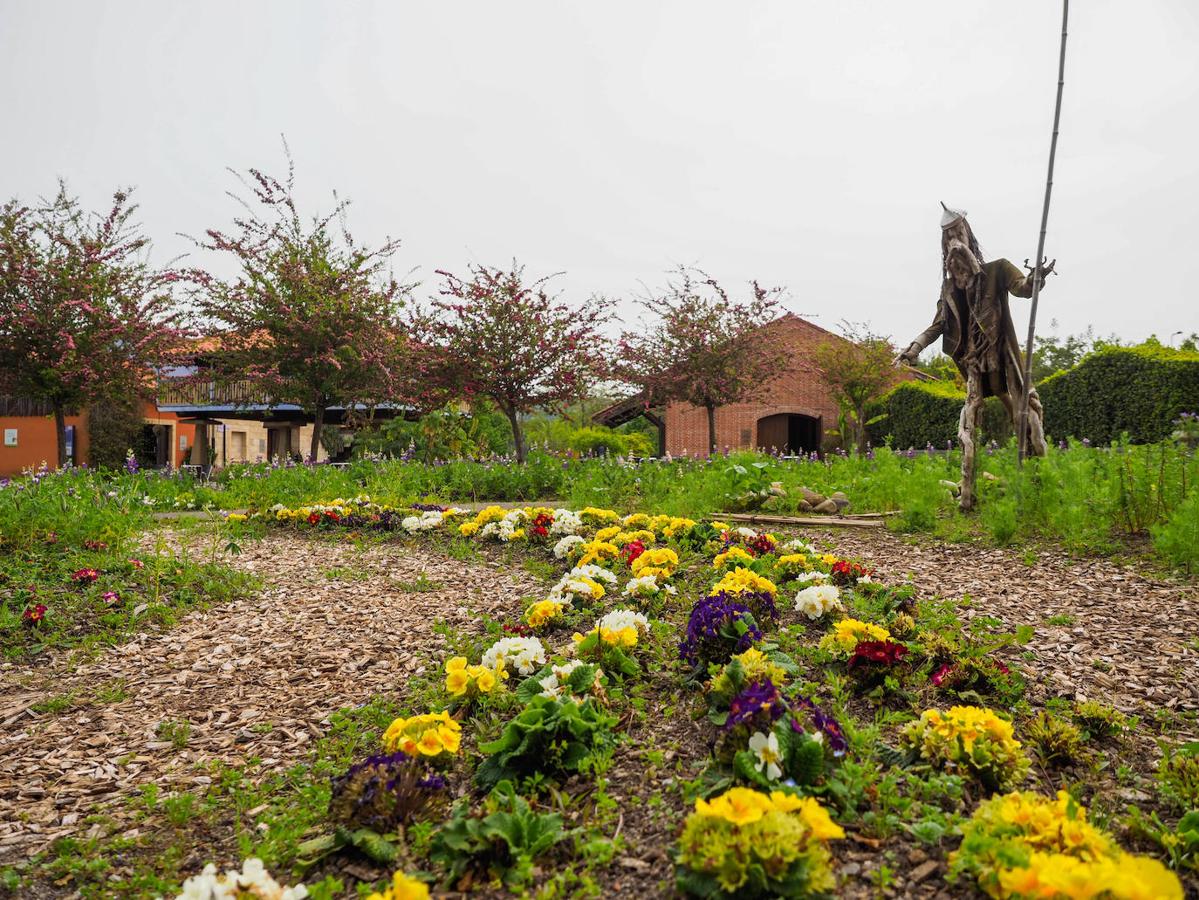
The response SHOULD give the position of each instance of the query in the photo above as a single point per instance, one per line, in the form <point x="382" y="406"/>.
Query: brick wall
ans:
<point x="799" y="389"/>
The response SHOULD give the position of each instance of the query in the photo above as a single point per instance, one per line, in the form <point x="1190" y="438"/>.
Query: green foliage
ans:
<point x="549" y="737"/>
<point x="919" y="413"/>
<point x="969" y="740"/>
<point x="446" y="433"/>
<point x="1139" y="391"/>
<point x="1098" y="720"/>
<point x="1178" y="776"/>
<point x="114" y="428"/>
<point x="1055" y="741"/>
<point x="1177" y="539"/>
<point x="1181" y="843"/>
<point x="501" y="844"/>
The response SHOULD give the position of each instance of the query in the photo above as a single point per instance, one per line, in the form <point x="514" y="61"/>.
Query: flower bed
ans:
<point x="819" y="683"/>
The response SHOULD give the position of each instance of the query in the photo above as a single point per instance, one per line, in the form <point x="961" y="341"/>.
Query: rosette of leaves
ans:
<point x="549" y="737"/>
<point x="501" y="843"/>
<point x="967" y="667"/>
<point x="698" y="537"/>
<point x="371" y="802"/>
<point x="719" y="626"/>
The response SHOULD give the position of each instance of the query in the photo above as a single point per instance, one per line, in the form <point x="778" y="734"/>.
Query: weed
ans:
<point x="177" y="733"/>
<point x="1056" y="741"/>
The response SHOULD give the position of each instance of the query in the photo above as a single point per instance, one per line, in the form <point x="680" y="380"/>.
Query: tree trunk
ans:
<point x="859" y="416"/>
<point x="518" y="438"/>
<point x="318" y="425"/>
<point x="711" y="429"/>
<point x="60" y="430"/>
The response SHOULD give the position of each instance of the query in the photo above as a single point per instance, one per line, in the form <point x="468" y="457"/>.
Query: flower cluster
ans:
<point x="748" y="843"/>
<point x="431" y="735"/>
<point x="1027" y="845"/>
<point x="971" y="739"/>
<point x="621" y="627"/>
<point x="752" y="665"/>
<point x="660" y="562"/>
<point x="253" y="882"/>
<point x="818" y="600"/>
<point x="382" y="792"/>
<point x="467" y="681"/>
<point x="743" y="579"/>
<point x="848" y="632"/>
<point x="877" y="653"/>
<point x="525" y="654"/>
<point x="85" y="576"/>
<point x="732" y="556"/>
<point x="646" y="586"/>
<point x="567" y="545"/>
<point x="719" y="626"/>
<point x="759" y="706"/>
<point x="844" y="572"/>
<point x="543" y="612"/>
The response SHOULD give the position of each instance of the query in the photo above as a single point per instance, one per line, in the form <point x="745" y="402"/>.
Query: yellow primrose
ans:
<point x="738" y="805"/>
<point x="606" y="534"/>
<point x="402" y="887"/>
<point x="466" y="529"/>
<point x="731" y="555"/>
<point x="743" y="579"/>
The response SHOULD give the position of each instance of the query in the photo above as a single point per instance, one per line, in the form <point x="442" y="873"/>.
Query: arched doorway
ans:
<point x="792" y="433"/>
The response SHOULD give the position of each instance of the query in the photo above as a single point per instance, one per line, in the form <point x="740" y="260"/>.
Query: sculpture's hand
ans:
<point x="1043" y="271"/>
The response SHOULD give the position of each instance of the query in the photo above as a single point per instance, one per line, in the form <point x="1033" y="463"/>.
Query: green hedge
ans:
<point x="1138" y="390"/>
<point x="919" y="413"/>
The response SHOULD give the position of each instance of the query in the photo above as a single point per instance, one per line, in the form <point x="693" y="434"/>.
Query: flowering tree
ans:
<point x="312" y="318"/>
<point x="706" y="349"/>
<point x="496" y="336"/>
<point x="83" y="316"/>
<point x="857" y="370"/>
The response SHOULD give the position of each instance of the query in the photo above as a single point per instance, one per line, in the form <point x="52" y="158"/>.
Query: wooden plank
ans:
<point x="836" y="521"/>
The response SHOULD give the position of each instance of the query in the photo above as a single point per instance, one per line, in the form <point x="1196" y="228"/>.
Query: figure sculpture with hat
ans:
<point x="976" y="330"/>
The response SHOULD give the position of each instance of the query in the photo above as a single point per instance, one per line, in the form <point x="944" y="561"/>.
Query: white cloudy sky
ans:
<point x="806" y="144"/>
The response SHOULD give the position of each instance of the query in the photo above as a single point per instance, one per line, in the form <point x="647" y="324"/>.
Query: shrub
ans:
<point x="745" y="843"/>
<point x="1098" y="720"/>
<point x="919" y="413"/>
<point x="1138" y="390"/>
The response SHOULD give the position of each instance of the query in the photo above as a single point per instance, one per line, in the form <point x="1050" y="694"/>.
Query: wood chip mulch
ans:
<point x="286" y="658"/>
<point x="1133" y="640"/>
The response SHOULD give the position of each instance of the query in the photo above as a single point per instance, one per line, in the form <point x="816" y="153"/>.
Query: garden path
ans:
<point x="257" y="677"/>
<point x="1103" y="631"/>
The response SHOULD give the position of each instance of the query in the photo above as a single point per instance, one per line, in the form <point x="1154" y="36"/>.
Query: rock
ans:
<point x="826" y="506"/>
<point x="951" y="486"/>
<point x="804" y="506"/>
<point x="814" y="499"/>
<point x="840" y="499"/>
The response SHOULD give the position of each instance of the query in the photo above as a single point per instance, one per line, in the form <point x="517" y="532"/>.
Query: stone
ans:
<point x="826" y="506"/>
<point x="813" y="499"/>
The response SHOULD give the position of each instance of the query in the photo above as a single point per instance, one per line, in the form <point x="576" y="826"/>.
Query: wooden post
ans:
<point x="1022" y="440"/>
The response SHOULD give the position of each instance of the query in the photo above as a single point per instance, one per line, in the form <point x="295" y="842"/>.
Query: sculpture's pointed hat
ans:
<point x="949" y="216"/>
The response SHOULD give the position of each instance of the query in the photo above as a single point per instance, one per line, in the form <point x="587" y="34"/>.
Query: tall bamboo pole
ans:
<point x="1036" y="272"/>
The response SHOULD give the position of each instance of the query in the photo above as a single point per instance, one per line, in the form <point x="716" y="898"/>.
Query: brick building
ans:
<point x="795" y="413"/>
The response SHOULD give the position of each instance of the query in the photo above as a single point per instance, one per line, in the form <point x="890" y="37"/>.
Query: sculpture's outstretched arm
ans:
<point x="925" y="337"/>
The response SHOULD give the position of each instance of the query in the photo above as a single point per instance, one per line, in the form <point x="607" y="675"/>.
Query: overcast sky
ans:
<point x="805" y="144"/>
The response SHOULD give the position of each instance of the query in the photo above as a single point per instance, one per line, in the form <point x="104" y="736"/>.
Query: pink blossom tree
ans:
<point x="83" y="316"/>
<point x="312" y="318"/>
<point x="497" y="336"/>
<point x="705" y="348"/>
